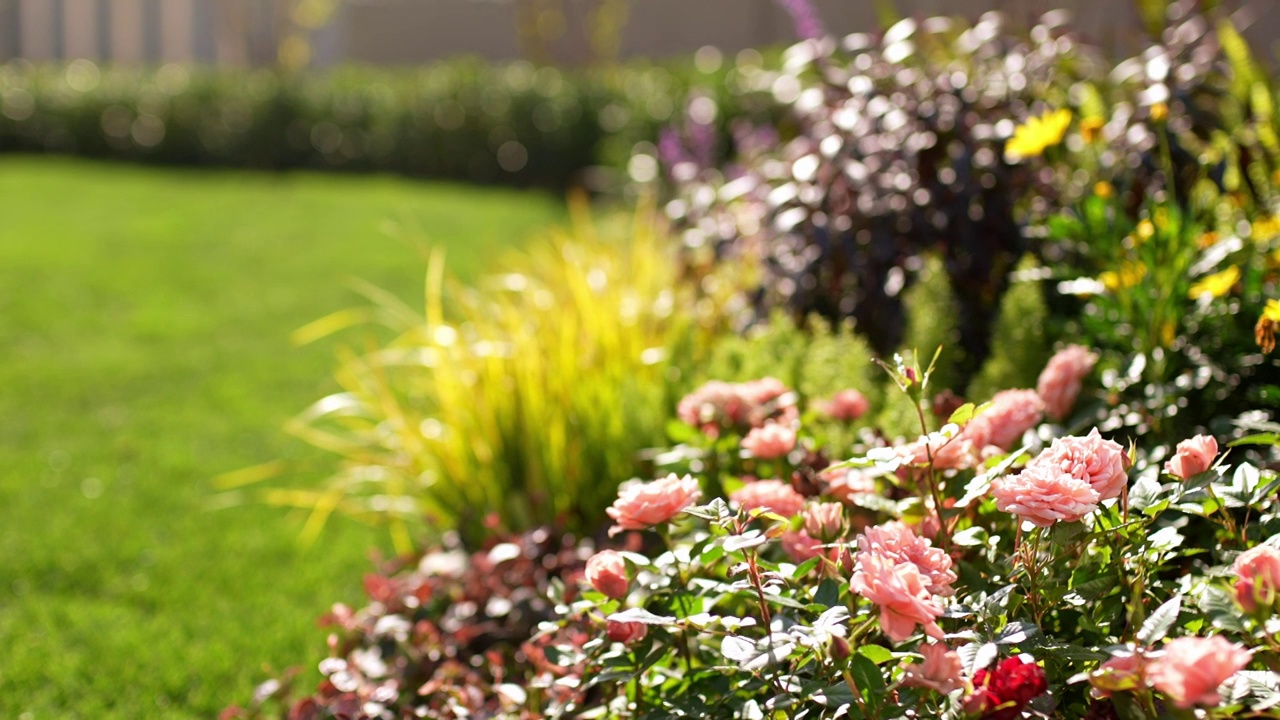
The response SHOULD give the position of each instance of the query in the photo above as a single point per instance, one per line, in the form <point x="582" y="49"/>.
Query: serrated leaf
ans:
<point x="717" y="509"/>
<point x="977" y="656"/>
<point x="748" y="539"/>
<point x="1160" y="622"/>
<point x="756" y="655"/>
<point x="640" y="615"/>
<point x="1220" y="607"/>
<point x="1016" y="632"/>
<point x="1144" y="493"/>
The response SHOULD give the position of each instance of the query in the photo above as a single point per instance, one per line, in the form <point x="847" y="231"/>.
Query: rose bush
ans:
<point x="1071" y="576"/>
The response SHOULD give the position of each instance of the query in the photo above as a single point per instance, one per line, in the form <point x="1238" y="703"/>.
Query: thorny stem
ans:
<point x="944" y="534"/>
<point x="1030" y="558"/>
<point x="753" y="570"/>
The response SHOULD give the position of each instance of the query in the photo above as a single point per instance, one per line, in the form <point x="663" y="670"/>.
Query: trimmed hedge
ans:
<point x="462" y="119"/>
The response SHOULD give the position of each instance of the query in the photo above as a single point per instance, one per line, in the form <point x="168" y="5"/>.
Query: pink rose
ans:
<point x="1257" y="574"/>
<point x="771" y="495"/>
<point x="1101" y="463"/>
<point x="771" y="441"/>
<point x="1192" y="668"/>
<point x="1059" y="383"/>
<point x="762" y="391"/>
<point x="799" y="546"/>
<point x="844" y="483"/>
<point x="845" y="406"/>
<point x="897" y="541"/>
<point x="643" y="505"/>
<point x="625" y="632"/>
<point x="902" y="592"/>
<point x="941" y="671"/>
<point x="824" y="520"/>
<point x="709" y="406"/>
<point x="1012" y="414"/>
<point x="719" y="405"/>
<point x="607" y="572"/>
<point x="1043" y="494"/>
<point x="1119" y="674"/>
<point x="1193" y="457"/>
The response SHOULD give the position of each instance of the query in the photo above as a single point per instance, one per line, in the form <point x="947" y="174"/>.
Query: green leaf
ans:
<point x="1016" y="632"/>
<point x="641" y="615"/>
<point x="869" y="679"/>
<point x="970" y="537"/>
<point x="1144" y="493"/>
<point x="1245" y="479"/>
<point x="678" y="432"/>
<point x="1220" y="607"/>
<point x="828" y="593"/>
<point x="876" y="654"/>
<point x="805" y="567"/>
<point x="963" y="414"/>
<point x="1066" y="533"/>
<point x="1160" y="622"/>
<point x="875" y="503"/>
<point x="1257" y="439"/>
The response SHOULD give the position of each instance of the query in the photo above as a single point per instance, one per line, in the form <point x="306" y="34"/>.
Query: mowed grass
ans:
<point x="144" y="322"/>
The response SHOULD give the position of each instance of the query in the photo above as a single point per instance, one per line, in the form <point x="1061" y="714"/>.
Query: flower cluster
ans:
<point x="719" y="406"/>
<point x="1065" y="482"/>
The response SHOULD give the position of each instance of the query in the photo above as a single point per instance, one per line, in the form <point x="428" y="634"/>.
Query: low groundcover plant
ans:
<point x="998" y="566"/>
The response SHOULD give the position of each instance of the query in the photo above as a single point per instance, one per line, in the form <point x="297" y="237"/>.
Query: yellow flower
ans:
<point x="1264" y="333"/>
<point x="1159" y="111"/>
<point x="1129" y="274"/>
<point x="1032" y="137"/>
<point x="1271" y="311"/>
<point x="1217" y="284"/>
<point x="1091" y="128"/>
<point x="1265" y="228"/>
<point x="1146" y="229"/>
<point x="1103" y="189"/>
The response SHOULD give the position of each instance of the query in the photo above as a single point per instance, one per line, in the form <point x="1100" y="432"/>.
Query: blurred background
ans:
<point x="322" y="33"/>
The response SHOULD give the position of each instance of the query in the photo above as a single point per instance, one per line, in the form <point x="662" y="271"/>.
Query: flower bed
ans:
<point x="998" y="566"/>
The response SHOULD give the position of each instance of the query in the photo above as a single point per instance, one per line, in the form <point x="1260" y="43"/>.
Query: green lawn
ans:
<point x="144" y="321"/>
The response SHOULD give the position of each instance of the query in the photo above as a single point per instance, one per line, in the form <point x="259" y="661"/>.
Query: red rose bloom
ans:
<point x="1001" y="694"/>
